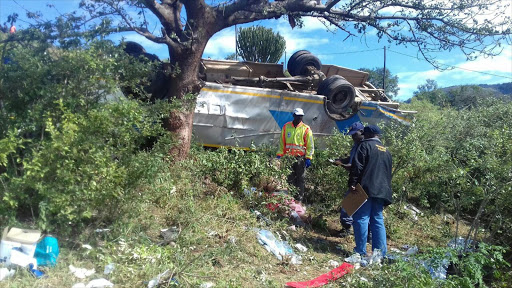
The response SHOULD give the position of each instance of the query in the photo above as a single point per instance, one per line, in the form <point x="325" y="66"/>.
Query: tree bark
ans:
<point x="184" y="80"/>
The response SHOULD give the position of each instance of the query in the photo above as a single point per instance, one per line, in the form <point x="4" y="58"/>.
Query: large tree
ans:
<point x="475" y="27"/>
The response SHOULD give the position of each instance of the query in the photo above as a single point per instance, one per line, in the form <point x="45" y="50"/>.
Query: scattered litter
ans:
<point x="249" y="192"/>
<point x="21" y="259"/>
<point x="232" y="239"/>
<point x="101" y="230"/>
<point x="207" y="285"/>
<point x="323" y="279"/>
<point x="397" y="251"/>
<point x="47" y="251"/>
<point x="376" y="257"/>
<point x="301" y="247"/>
<point x="23" y="241"/>
<point x="36" y="273"/>
<point x="414" y="211"/>
<point x="87" y="246"/>
<point x="173" y="190"/>
<point x="357" y="260"/>
<point x="333" y="263"/>
<point x="170" y="234"/>
<point x="459" y="244"/>
<point x="296" y="220"/>
<point x="109" y="268"/>
<point x="81" y="272"/>
<point x="99" y="283"/>
<point x="155" y="281"/>
<point x="261" y="217"/>
<point x="212" y="233"/>
<point x="293" y="228"/>
<point x="436" y="268"/>
<point x="6" y="273"/>
<point x="279" y="248"/>
<point x="411" y="251"/>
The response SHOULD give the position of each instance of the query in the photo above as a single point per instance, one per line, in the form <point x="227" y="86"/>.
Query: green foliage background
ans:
<point x="74" y="153"/>
<point x="260" y="44"/>
<point x="67" y="155"/>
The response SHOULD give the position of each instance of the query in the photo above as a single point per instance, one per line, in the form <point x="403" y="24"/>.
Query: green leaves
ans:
<point x="260" y="44"/>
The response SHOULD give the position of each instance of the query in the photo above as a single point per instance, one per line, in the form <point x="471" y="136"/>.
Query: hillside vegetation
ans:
<point x="72" y="163"/>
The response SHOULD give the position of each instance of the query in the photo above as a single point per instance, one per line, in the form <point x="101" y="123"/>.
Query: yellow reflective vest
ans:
<point x="296" y="141"/>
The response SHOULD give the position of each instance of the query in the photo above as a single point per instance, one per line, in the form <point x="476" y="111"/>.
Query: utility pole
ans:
<point x="236" y="44"/>
<point x="284" y="60"/>
<point x="384" y="72"/>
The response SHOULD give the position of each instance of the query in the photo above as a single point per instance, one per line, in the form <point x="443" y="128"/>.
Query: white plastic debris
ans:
<point x="6" y="273"/>
<point x="357" y="260"/>
<point x="301" y="247"/>
<point x="21" y="259"/>
<point x="207" y="285"/>
<point x="376" y="257"/>
<point x="87" y="246"/>
<point x="414" y="211"/>
<point x="154" y="282"/>
<point x="279" y="248"/>
<point x="101" y="230"/>
<point x="333" y="263"/>
<point x="81" y="272"/>
<point x="411" y="251"/>
<point x="296" y="259"/>
<point x="99" y="283"/>
<point x="109" y="268"/>
<point x="232" y="239"/>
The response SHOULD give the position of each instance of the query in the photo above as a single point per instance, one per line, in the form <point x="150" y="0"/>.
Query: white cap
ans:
<point x="298" y="112"/>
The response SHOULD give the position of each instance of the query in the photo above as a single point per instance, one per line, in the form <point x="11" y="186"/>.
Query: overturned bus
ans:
<point x="247" y="103"/>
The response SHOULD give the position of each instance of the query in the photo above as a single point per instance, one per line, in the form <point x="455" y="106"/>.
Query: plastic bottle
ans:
<point x="109" y="268"/>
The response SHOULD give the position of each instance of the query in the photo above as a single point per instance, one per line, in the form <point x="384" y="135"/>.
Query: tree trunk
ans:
<point x="184" y="80"/>
<point x="180" y="123"/>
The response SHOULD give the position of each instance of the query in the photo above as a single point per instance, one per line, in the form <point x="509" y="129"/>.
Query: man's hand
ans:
<point x="346" y="166"/>
<point x="308" y="163"/>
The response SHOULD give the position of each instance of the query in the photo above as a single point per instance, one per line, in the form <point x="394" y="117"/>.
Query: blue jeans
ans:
<point x="346" y="221"/>
<point x="370" y="211"/>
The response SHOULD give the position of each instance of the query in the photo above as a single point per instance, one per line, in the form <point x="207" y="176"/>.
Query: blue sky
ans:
<point x="329" y="46"/>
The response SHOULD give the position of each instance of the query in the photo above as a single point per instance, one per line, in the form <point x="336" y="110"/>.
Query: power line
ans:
<point x="455" y="67"/>
<point x="350" y="52"/>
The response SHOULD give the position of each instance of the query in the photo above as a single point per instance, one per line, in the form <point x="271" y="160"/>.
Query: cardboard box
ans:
<point x="24" y="239"/>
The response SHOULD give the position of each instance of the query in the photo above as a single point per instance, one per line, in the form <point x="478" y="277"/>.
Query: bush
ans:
<point x="87" y="166"/>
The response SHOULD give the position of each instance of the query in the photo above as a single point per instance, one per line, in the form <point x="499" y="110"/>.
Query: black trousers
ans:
<point x="296" y="178"/>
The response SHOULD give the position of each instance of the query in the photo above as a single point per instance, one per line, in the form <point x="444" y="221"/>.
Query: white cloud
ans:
<point x="221" y="44"/>
<point x="481" y="71"/>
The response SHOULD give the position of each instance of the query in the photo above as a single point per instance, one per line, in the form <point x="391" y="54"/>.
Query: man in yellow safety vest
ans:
<point x="297" y="140"/>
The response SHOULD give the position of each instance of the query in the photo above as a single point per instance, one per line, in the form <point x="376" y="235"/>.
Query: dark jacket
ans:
<point x="371" y="168"/>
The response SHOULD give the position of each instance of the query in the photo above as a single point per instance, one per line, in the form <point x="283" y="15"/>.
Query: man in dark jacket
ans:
<point x="371" y="167"/>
